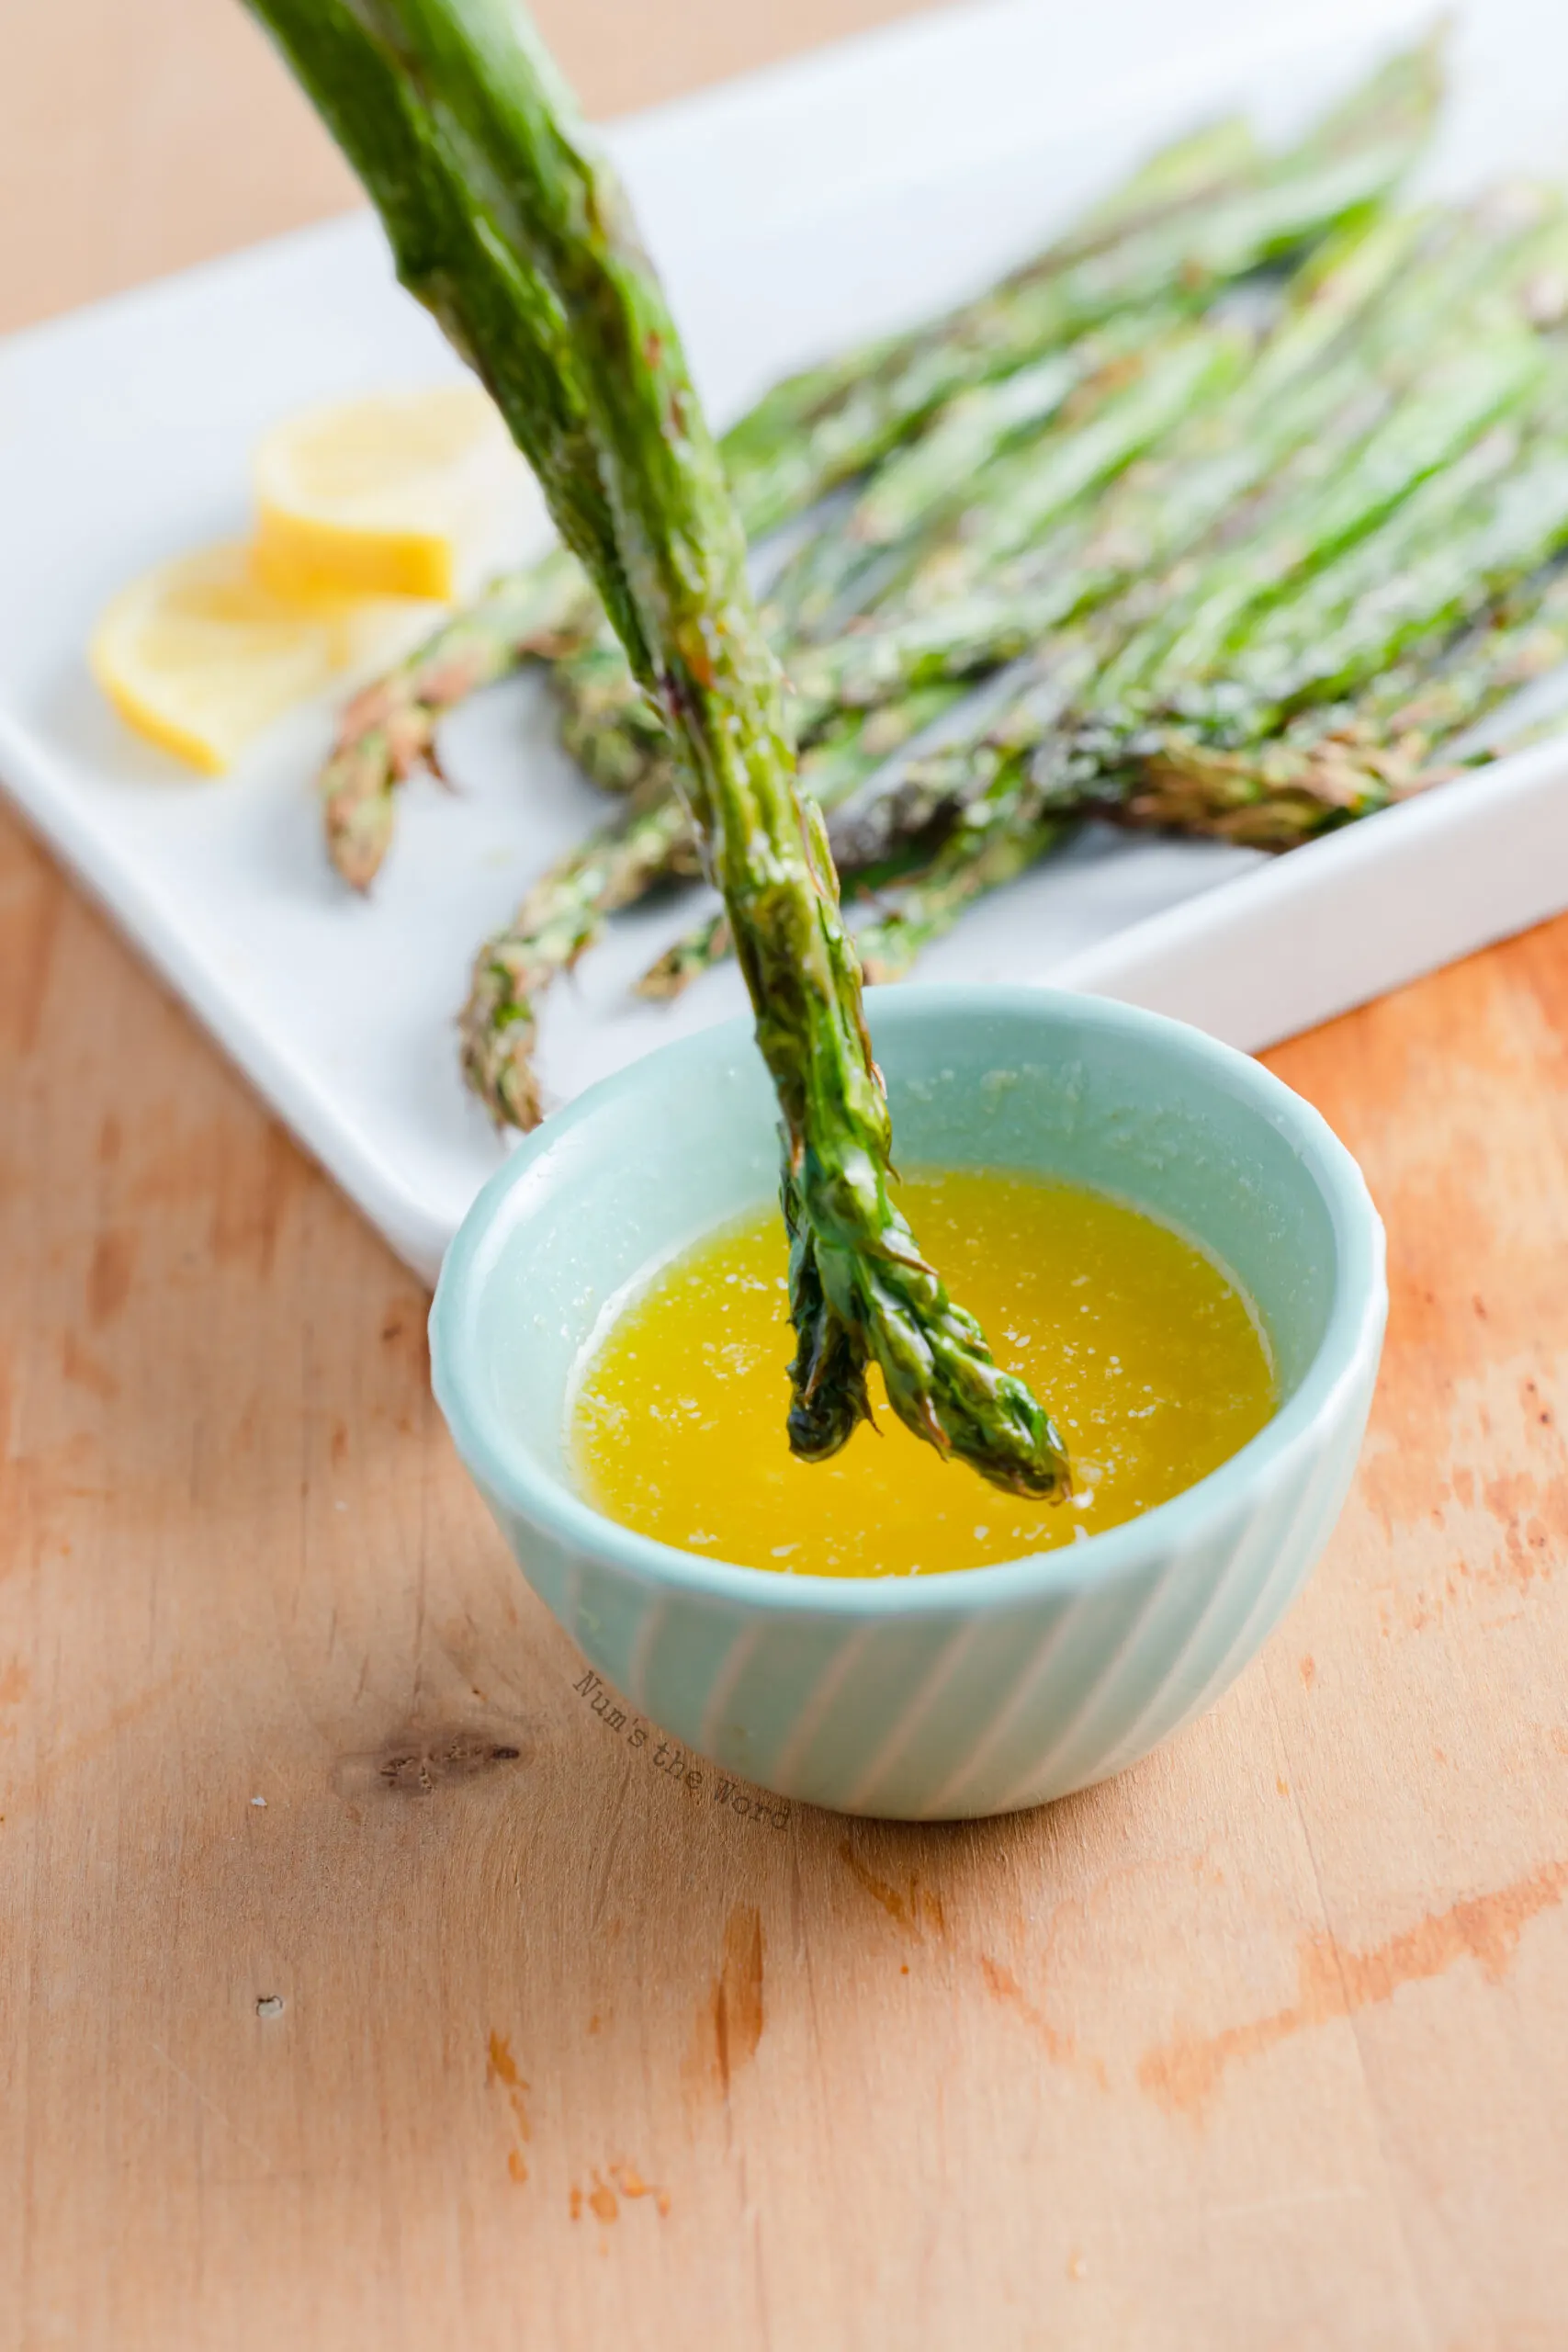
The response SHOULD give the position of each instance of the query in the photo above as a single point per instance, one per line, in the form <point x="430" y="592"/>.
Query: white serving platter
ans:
<point x="792" y="212"/>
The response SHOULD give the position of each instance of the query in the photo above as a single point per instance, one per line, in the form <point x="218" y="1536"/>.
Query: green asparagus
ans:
<point x="558" y="920"/>
<point x="1246" y="577"/>
<point x="476" y="89"/>
<point x="389" y="731"/>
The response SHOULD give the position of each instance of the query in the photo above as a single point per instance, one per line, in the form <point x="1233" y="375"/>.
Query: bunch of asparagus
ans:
<point x="1240" y="506"/>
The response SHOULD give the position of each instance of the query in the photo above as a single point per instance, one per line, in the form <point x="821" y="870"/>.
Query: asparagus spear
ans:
<point x="904" y="825"/>
<point x="696" y="951"/>
<point x="486" y="101"/>
<point x="857" y="743"/>
<point x="972" y="863"/>
<point x="557" y="923"/>
<point x="1216" y="159"/>
<point x="607" y="722"/>
<point x="388" y="730"/>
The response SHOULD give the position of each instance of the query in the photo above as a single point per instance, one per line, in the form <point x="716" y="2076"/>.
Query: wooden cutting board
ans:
<point x="361" y="1986"/>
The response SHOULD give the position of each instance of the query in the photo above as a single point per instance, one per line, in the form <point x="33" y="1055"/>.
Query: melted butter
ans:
<point x="1144" y="1351"/>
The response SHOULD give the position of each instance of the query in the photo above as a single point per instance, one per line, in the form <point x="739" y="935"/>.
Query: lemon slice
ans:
<point x="384" y="496"/>
<point x="201" y="654"/>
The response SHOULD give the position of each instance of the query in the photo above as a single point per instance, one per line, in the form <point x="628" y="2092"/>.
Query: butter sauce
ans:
<point x="1143" y="1349"/>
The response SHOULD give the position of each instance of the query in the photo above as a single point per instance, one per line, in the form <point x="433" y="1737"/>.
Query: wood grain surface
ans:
<point x="359" y="1986"/>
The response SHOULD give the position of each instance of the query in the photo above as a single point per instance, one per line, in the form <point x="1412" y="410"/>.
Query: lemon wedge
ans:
<point x="384" y="496"/>
<point x="201" y="654"/>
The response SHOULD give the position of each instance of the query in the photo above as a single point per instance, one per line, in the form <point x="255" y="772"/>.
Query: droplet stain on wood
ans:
<point x="1182" y="2074"/>
<point x="737" y="1999"/>
<point x="601" y="2199"/>
<point x="502" y="2067"/>
<point x="919" y="1908"/>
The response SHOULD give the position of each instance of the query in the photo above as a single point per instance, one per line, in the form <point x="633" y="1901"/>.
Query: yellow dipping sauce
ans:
<point x="1146" y="1353"/>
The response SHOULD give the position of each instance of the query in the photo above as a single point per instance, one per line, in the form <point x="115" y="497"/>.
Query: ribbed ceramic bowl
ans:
<point x="941" y="1696"/>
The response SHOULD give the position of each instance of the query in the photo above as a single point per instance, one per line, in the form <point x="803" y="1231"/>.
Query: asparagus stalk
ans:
<point x="485" y="98"/>
<point x="832" y="769"/>
<point x="558" y="920"/>
<point x="696" y="951"/>
<point x="884" y="838"/>
<point x="607" y="723"/>
<point x="1401" y="734"/>
<point x="388" y="730"/>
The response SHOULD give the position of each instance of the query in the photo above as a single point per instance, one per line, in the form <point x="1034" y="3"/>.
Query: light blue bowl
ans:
<point x="943" y="1696"/>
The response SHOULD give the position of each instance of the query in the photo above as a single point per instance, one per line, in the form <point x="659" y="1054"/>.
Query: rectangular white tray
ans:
<point x="792" y="212"/>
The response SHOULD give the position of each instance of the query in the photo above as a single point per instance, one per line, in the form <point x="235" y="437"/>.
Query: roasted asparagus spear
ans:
<point x="572" y="333"/>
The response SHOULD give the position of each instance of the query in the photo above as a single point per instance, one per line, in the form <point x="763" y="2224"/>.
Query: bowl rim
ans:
<point x="1354" y="1329"/>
